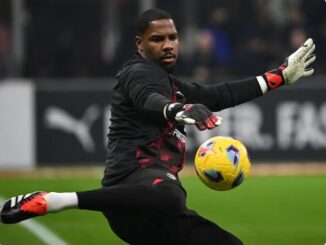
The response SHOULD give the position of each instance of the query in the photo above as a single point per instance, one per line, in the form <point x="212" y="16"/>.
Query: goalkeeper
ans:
<point x="141" y="195"/>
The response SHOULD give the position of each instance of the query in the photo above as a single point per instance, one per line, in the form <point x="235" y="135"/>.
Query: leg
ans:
<point x="157" y="196"/>
<point x="147" y="228"/>
<point x="152" y="226"/>
<point x="153" y="222"/>
<point x="146" y="189"/>
<point x="203" y="231"/>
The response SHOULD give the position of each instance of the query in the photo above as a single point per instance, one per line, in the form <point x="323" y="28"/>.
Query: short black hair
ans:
<point x="142" y="22"/>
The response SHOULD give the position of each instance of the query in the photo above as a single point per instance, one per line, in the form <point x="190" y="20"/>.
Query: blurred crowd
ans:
<point x="248" y="37"/>
<point x="87" y="39"/>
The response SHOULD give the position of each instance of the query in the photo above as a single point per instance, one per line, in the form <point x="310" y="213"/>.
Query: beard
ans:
<point x="168" y="67"/>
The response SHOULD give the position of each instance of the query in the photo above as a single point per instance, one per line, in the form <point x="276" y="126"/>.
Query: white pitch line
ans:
<point x="40" y="231"/>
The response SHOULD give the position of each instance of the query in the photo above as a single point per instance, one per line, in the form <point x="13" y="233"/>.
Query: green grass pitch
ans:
<point x="272" y="210"/>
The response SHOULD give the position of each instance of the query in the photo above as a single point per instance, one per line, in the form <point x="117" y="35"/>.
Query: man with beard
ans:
<point x="141" y="195"/>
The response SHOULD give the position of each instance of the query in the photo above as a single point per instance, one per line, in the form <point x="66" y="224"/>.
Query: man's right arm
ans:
<point x="150" y="92"/>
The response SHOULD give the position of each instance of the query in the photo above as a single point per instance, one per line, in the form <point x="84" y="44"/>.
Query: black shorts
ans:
<point x="164" y="224"/>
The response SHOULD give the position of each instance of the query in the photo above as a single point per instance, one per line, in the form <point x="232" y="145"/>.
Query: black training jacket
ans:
<point x="139" y="135"/>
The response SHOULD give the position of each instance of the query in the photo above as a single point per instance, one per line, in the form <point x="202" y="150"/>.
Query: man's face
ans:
<point x="160" y="43"/>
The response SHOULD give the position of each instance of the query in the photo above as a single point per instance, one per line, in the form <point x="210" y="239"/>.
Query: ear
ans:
<point x="139" y="42"/>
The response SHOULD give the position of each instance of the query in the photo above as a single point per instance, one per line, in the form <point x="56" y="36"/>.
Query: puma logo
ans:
<point x="56" y="118"/>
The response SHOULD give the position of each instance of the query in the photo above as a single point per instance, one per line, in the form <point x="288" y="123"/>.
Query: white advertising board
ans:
<point x="17" y="135"/>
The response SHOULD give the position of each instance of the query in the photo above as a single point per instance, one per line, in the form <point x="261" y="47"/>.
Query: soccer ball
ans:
<point x="222" y="163"/>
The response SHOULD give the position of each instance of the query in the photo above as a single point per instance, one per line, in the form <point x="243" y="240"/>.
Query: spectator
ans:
<point x="204" y="60"/>
<point x="63" y="38"/>
<point x="6" y="61"/>
<point x="220" y="26"/>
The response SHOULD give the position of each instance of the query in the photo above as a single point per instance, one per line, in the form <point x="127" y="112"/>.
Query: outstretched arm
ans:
<point x="201" y="100"/>
<point x="220" y="96"/>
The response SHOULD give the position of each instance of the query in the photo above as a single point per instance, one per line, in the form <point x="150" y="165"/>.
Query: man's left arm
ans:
<point x="202" y="100"/>
<point x="229" y="94"/>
